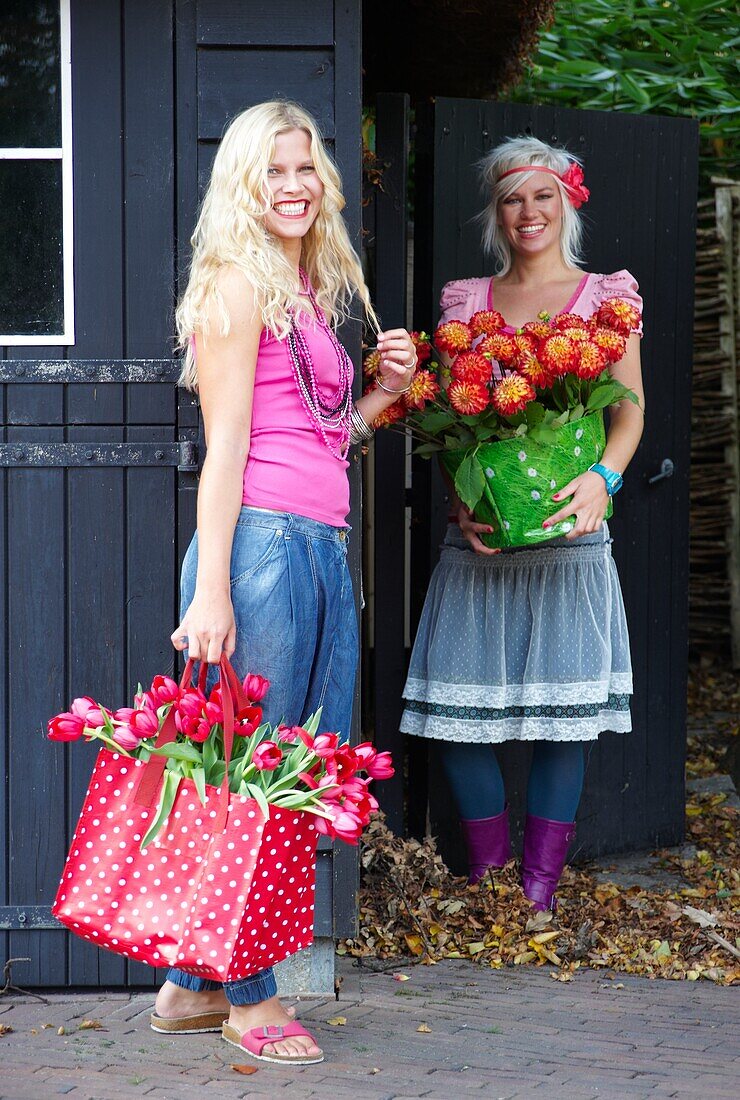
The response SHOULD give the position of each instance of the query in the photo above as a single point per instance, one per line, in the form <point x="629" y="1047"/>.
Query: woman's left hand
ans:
<point x="589" y="503"/>
<point x="397" y="358"/>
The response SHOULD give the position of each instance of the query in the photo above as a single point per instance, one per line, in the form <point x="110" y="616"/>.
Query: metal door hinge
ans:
<point x="183" y="455"/>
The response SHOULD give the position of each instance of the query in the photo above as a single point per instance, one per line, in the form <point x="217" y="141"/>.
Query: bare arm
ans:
<point x="226" y="370"/>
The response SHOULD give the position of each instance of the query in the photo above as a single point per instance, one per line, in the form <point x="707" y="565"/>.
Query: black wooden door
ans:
<point x="642" y="172"/>
<point x="98" y="450"/>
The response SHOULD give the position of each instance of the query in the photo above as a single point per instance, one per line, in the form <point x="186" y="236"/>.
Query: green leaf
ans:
<point x="436" y="421"/>
<point x="535" y="413"/>
<point x="470" y="481"/>
<point x="426" y="450"/>
<point x="199" y="778"/>
<point x="170" y="784"/>
<point x="575" y="413"/>
<point x="258" y="795"/>
<point x="601" y="397"/>
<point x="178" y="750"/>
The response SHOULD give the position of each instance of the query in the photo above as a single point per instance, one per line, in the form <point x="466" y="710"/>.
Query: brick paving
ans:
<point x="513" y="1034"/>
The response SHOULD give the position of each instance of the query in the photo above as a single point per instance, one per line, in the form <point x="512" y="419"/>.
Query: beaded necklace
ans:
<point x="326" y="412"/>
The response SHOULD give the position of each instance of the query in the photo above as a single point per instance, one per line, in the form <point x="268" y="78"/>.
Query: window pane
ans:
<point x="31" y="282"/>
<point x="30" y="74"/>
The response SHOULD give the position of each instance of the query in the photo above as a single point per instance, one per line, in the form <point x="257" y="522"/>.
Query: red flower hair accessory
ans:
<point x="572" y="180"/>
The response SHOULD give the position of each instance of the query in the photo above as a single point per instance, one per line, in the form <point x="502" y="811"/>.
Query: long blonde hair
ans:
<point x="515" y="152"/>
<point x="231" y="230"/>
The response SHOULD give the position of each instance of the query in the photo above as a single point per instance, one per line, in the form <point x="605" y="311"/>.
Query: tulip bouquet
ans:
<point x="509" y="437"/>
<point x="293" y="767"/>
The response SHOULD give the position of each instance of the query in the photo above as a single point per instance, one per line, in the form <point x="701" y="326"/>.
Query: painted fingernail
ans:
<point x="556" y="496"/>
<point x="546" y="523"/>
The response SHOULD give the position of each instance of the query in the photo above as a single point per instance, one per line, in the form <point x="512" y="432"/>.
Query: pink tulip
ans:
<point x="343" y="763"/>
<point x="347" y="826"/>
<point x="126" y="737"/>
<point x="163" y="690"/>
<point x="381" y="767"/>
<point x="287" y="735"/>
<point x="189" y="708"/>
<point x="248" y="720"/>
<point x="255" y="687"/>
<point x="366" y="754"/>
<point x="214" y="711"/>
<point x="82" y="706"/>
<point x="325" y="744"/>
<point x="198" y="730"/>
<point x="65" y="727"/>
<point x="144" y="722"/>
<point x="267" y="756"/>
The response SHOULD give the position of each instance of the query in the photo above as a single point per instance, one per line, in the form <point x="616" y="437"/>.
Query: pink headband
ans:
<point x="572" y="179"/>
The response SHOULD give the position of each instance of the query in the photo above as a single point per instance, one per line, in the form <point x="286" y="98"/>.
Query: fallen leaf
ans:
<point x="5" y="1029"/>
<point x="61" y="1030"/>
<point x="246" y="1070"/>
<point x="619" y="985"/>
<point x="563" y="976"/>
<point x="373" y="1070"/>
<point x="400" y="977"/>
<point x="90" y="1025"/>
<point x="698" y="916"/>
<point x="45" y="1026"/>
<point x="425" y="1028"/>
<point x="34" y="1031"/>
<point x="337" y="1021"/>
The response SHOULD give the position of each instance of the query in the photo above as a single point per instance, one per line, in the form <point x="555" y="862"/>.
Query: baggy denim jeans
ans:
<point x="296" y="624"/>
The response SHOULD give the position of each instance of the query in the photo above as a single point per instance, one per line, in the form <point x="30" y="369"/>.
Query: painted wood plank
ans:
<point x="282" y="23"/>
<point x="98" y="204"/>
<point x="389" y="452"/>
<point x="231" y="80"/>
<point x="149" y="197"/>
<point x="36" y="654"/>
<point x="97" y="511"/>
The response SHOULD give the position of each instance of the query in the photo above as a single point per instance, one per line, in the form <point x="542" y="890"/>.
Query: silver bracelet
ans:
<point x="359" y="428"/>
<point x="397" y="393"/>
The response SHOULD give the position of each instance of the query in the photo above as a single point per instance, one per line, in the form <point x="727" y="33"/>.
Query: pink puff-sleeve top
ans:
<point x="462" y="298"/>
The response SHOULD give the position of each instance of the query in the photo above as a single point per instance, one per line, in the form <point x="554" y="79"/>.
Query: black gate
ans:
<point x="98" y="451"/>
<point x="642" y="174"/>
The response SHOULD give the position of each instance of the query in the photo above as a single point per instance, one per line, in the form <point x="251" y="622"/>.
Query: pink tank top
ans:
<point x="289" y="467"/>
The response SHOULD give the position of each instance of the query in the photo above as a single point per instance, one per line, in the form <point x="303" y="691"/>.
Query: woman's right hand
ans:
<point x="472" y="530"/>
<point x="208" y="628"/>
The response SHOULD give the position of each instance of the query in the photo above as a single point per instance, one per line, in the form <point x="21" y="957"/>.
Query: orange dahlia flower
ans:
<point x="471" y="366"/>
<point x="511" y="394"/>
<point x="454" y="337"/>
<point x="525" y="345"/>
<point x="613" y="343"/>
<point x="499" y="346"/>
<point x="580" y="333"/>
<point x="485" y="322"/>
<point x="559" y="354"/>
<point x="468" y="398"/>
<point x="530" y="368"/>
<point x="391" y="415"/>
<point x="422" y="346"/>
<point x="567" y="320"/>
<point x="592" y="360"/>
<point x="539" y="329"/>
<point x="619" y="315"/>
<point x="424" y="387"/>
<point x="370" y="363"/>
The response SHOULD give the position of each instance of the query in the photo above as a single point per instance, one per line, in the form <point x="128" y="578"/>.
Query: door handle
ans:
<point x="666" y="470"/>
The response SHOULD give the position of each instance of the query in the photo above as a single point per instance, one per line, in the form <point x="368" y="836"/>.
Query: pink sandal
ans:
<point x="255" y="1040"/>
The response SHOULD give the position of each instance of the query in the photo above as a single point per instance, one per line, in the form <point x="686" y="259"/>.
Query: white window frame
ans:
<point x="64" y="154"/>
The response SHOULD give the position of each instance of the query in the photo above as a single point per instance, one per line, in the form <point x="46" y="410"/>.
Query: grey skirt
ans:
<point x="526" y="645"/>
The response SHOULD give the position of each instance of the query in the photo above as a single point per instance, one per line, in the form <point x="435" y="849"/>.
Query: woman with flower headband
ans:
<point x="529" y="644"/>
<point x="265" y="579"/>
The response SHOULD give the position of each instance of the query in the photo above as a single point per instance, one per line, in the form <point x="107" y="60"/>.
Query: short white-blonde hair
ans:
<point x="516" y="152"/>
<point x="231" y="230"/>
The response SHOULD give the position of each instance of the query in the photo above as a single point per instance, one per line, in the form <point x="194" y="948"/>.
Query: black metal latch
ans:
<point x="27" y="918"/>
<point x="183" y="455"/>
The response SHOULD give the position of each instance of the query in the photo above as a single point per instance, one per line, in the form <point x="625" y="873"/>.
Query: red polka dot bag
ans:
<point x="170" y="870"/>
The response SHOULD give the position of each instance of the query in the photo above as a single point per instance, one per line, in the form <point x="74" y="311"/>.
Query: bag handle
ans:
<point x="231" y="692"/>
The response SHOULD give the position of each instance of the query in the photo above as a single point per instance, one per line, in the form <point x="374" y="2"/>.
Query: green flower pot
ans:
<point x="521" y="477"/>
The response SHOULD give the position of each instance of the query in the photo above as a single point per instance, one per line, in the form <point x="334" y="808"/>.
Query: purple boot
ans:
<point x="487" y="842"/>
<point x="543" y="858"/>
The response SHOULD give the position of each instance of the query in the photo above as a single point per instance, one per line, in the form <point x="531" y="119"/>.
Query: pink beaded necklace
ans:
<point x="326" y="412"/>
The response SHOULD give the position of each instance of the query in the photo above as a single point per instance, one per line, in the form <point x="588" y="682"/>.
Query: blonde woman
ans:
<point x="529" y="644"/>
<point x="265" y="579"/>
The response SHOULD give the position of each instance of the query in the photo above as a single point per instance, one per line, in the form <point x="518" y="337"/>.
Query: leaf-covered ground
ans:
<point x="411" y="907"/>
